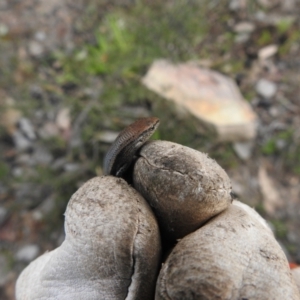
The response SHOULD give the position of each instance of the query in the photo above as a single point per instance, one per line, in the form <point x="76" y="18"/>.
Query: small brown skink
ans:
<point x="121" y="153"/>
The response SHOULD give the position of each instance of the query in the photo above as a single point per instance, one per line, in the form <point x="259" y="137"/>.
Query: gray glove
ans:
<point x="113" y="249"/>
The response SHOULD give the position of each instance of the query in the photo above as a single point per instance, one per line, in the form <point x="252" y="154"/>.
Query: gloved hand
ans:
<point x="116" y="239"/>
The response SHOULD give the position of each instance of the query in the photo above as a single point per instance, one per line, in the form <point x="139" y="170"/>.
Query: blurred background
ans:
<point x="70" y="80"/>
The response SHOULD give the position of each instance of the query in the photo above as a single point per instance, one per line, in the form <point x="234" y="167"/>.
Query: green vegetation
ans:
<point x="224" y="155"/>
<point x="289" y="151"/>
<point x="280" y="228"/>
<point x="4" y="171"/>
<point x="292" y="38"/>
<point x="269" y="147"/>
<point x="125" y="42"/>
<point x="265" y="38"/>
<point x="284" y="25"/>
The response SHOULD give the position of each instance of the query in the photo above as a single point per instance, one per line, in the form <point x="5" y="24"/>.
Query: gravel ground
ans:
<point x="45" y="158"/>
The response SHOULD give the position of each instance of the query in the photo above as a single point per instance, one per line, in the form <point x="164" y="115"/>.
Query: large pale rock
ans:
<point x="208" y="95"/>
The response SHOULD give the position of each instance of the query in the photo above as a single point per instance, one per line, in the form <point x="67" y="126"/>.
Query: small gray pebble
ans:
<point x="27" y="253"/>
